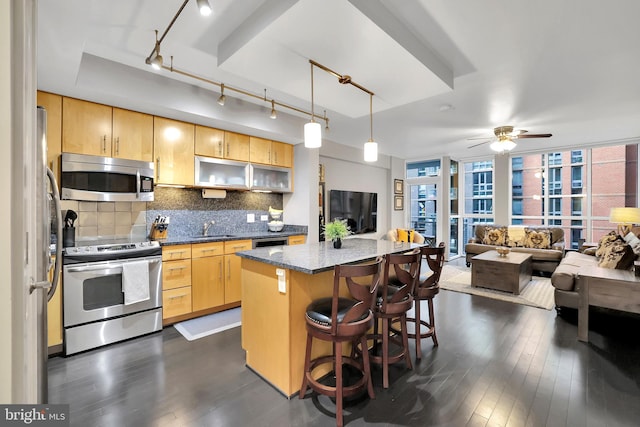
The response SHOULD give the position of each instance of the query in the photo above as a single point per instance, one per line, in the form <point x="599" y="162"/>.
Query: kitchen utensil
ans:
<point x="70" y="218"/>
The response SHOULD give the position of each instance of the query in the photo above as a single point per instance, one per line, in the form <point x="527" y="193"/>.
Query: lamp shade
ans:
<point x="370" y="151"/>
<point x="312" y="135"/>
<point x="624" y="215"/>
<point x="503" y="145"/>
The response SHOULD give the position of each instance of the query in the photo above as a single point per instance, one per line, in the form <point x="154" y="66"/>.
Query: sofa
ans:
<point x="565" y="278"/>
<point x="545" y="244"/>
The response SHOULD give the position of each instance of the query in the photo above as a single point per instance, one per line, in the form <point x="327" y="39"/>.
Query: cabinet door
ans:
<point x="260" y="150"/>
<point x="209" y="142"/>
<point x="86" y="127"/>
<point x="132" y="135"/>
<point x="281" y="154"/>
<point x="173" y="151"/>
<point x="54" y="314"/>
<point x="207" y="282"/>
<point x="236" y="146"/>
<point x="53" y="104"/>
<point x="173" y="252"/>
<point x="233" y="270"/>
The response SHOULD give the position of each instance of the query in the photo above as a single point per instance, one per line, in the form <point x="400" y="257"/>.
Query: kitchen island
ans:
<point x="278" y="283"/>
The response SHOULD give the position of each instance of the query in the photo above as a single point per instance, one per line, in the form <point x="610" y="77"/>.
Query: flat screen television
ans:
<point x="360" y="209"/>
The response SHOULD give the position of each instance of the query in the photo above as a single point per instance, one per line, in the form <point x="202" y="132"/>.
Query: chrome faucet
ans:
<point x="206" y="226"/>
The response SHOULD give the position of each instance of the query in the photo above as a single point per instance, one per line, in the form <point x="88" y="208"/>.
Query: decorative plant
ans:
<point x="336" y="229"/>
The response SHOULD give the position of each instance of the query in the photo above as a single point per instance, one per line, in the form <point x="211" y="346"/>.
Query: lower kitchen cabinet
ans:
<point x="207" y="280"/>
<point x="54" y="318"/>
<point x="233" y="281"/>
<point x="176" y="302"/>
<point x="297" y="240"/>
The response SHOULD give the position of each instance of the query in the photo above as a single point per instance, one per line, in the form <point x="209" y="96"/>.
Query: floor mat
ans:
<point x="208" y="325"/>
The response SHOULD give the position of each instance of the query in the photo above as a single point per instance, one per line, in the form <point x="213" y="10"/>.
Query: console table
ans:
<point x="608" y="288"/>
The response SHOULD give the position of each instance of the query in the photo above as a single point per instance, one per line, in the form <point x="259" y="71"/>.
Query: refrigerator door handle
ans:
<point x="58" y="210"/>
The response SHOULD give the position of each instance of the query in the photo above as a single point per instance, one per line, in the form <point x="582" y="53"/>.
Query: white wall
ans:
<point x="301" y="206"/>
<point x="345" y="170"/>
<point x="5" y="190"/>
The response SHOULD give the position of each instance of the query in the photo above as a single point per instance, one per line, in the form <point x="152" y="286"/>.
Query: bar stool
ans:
<point x="401" y="272"/>
<point x="343" y="320"/>
<point x="427" y="289"/>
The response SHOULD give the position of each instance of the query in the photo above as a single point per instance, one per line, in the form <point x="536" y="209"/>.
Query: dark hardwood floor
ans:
<point x="498" y="364"/>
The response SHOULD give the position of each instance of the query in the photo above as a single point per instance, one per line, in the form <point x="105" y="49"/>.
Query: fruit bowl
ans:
<point x="275" y="225"/>
<point x="503" y="251"/>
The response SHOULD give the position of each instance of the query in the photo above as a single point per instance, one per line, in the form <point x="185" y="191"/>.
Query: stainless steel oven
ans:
<point x="95" y="308"/>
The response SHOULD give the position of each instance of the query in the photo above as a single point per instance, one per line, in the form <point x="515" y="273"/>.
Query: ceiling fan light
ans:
<point x="312" y="135"/>
<point x="204" y="7"/>
<point x="370" y="151"/>
<point x="502" y="145"/>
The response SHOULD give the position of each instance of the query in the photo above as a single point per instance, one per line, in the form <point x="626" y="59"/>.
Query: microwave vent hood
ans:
<point x="106" y="179"/>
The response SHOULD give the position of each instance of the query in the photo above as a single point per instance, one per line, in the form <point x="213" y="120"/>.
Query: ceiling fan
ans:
<point x="505" y="136"/>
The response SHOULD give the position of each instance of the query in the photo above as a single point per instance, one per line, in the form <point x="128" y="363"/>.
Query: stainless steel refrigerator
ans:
<point x="48" y="216"/>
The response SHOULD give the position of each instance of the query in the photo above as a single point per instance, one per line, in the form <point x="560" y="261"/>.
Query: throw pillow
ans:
<point x="537" y="239"/>
<point x="604" y="242"/>
<point x="617" y="255"/>
<point x="633" y="241"/>
<point x="516" y="235"/>
<point x="405" y="235"/>
<point x="496" y="236"/>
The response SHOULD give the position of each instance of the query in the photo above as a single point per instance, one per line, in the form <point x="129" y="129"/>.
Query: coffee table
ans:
<point x="510" y="273"/>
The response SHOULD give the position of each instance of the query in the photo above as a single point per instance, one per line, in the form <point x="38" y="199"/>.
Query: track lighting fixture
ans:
<point x="371" y="147"/>
<point x="156" y="59"/>
<point x="222" y="97"/>
<point x="312" y="130"/>
<point x="204" y="7"/>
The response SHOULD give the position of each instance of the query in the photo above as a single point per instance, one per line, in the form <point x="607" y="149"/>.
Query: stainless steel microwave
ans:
<point x="106" y="179"/>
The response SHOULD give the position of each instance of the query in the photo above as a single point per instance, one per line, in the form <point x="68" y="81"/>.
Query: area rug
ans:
<point x="208" y="325"/>
<point x="538" y="293"/>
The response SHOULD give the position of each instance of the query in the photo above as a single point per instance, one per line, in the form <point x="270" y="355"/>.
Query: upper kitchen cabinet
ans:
<point x="221" y="144"/>
<point x="173" y="151"/>
<point x="132" y="135"/>
<point x="270" y="152"/>
<point x="101" y="130"/>
<point x="281" y="154"/>
<point x="86" y="127"/>
<point x="53" y="104"/>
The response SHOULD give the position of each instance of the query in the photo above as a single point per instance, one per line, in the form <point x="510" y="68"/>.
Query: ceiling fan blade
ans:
<point x="482" y="143"/>
<point x="533" y="135"/>
<point x="479" y="137"/>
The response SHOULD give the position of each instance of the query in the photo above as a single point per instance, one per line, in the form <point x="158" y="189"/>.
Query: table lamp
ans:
<point x="625" y="218"/>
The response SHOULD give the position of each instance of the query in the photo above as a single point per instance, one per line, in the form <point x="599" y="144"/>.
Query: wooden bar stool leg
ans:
<point x="307" y="364"/>
<point x="432" y="321"/>
<point x="367" y="366"/>
<point x="385" y="352"/>
<point x="417" y="330"/>
<point x="405" y="339"/>
<point x="337" y="349"/>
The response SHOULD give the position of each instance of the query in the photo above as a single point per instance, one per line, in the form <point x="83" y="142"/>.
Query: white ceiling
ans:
<point x="442" y="71"/>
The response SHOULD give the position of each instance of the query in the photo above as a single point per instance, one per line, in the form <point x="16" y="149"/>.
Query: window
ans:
<point x="483" y="206"/>
<point x="424" y="168"/>
<point x="516" y="207"/>
<point x="555" y="181"/>
<point x="555" y="159"/>
<point x="576" y="156"/>
<point x="576" y="206"/>
<point x="555" y="206"/>
<point x="576" y="177"/>
<point x="483" y="183"/>
<point x="516" y="184"/>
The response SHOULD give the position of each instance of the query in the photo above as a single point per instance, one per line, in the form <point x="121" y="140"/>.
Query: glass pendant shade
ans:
<point x="503" y="145"/>
<point x="370" y="151"/>
<point x="312" y="135"/>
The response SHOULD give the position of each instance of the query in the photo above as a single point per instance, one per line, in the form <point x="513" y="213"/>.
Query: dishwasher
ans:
<point x="270" y="241"/>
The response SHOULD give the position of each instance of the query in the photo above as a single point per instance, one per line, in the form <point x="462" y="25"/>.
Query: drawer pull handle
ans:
<point x="182" y="267"/>
<point x="178" y="296"/>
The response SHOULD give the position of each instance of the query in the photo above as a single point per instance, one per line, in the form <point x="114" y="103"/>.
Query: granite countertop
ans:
<point x="313" y="258"/>
<point x="183" y="240"/>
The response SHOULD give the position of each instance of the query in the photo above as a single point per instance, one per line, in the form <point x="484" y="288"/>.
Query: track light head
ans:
<point x="274" y="113"/>
<point x="204" y="7"/>
<point x="222" y="97"/>
<point x="156" y="61"/>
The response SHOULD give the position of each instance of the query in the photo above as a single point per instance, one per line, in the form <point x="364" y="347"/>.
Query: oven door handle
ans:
<point x="104" y="266"/>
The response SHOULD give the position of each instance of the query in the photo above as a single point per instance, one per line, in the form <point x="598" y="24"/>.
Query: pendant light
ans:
<point x="312" y="130"/>
<point x="156" y="59"/>
<point x="222" y="97"/>
<point x="204" y="7"/>
<point x="371" y="147"/>
<point x="274" y="113"/>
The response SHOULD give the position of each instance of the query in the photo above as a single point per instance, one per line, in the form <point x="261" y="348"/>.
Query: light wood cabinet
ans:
<point x="269" y="152"/>
<point x="207" y="282"/>
<point x="176" y="280"/>
<point x="132" y="135"/>
<point x="297" y="240"/>
<point x="101" y="130"/>
<point x="53" y="105"/>
<point x="281" y="154"/>
<point x="233" y="270"/>
<point x="176" y="302"/>
<point x="86" y="127"/>
<point x="259" y="150"/>
<point x="221" y="144"/>
<point x="173" y="151"/>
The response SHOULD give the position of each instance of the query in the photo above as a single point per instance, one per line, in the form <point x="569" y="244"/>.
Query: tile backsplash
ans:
<point x="106" y="220"/>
